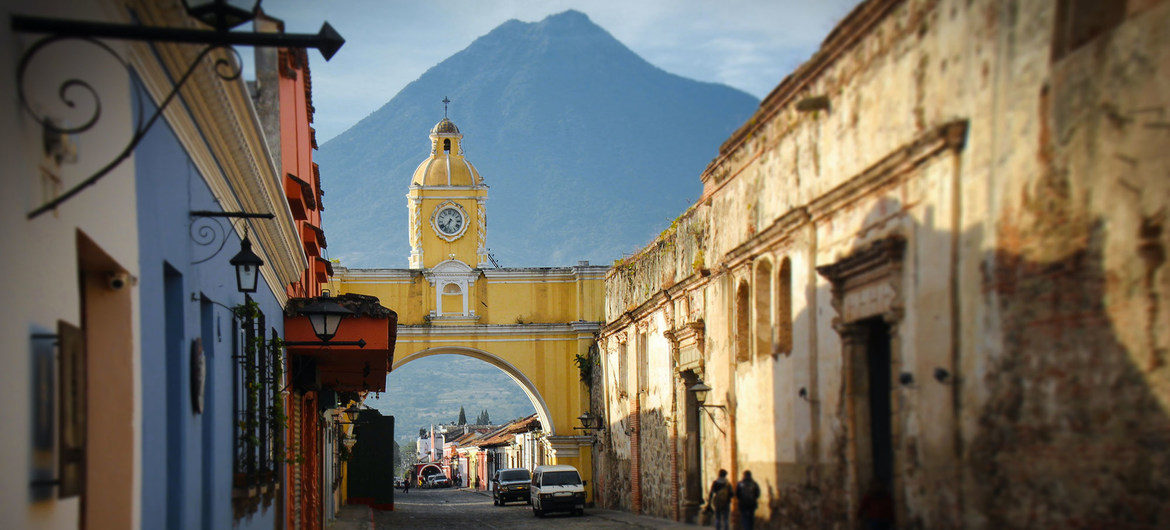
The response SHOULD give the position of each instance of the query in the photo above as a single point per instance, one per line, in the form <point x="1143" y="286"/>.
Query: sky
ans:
<point x="747" y="44"/>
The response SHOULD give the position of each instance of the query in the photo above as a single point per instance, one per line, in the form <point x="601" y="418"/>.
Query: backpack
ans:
<point x="722" y="496"/>
<point x="747" y="493"/>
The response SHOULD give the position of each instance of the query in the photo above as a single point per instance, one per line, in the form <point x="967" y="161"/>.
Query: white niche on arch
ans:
<point x="452" y="280"/>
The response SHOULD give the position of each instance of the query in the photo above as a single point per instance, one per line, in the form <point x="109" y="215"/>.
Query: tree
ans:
<point x="422" y="433"/>
<point x="462" y="416"/>
<point x="483" y="418"/>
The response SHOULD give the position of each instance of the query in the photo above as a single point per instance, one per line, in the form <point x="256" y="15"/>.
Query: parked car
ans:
<point x="438" y="481"/>
<point x="511" y="485"/>
<point x="557" y="489"/>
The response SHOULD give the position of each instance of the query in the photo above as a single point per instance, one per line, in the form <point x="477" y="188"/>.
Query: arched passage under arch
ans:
<point x="542" y="410"/>
<point x="426" y="470"/>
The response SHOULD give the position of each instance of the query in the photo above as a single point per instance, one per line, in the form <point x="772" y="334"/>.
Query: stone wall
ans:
<point x="656" y="450"/>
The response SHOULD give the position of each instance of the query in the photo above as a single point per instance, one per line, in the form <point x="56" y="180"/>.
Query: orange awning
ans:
<point x="347" y="368"/>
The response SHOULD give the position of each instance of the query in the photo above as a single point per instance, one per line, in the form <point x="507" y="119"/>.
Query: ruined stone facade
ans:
<point x="933" y="260"/>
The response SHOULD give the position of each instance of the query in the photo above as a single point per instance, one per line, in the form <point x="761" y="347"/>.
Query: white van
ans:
<point x="557" y="489"/>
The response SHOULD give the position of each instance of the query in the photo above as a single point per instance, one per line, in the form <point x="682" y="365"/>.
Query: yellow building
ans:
<point x="532" y="323"/>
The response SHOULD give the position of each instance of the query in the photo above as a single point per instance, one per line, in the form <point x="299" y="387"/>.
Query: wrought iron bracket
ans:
<point x="234" y="215"/>
<point x="360" y="343"/>
<point x="327" y="41"/>
<point x="206" y="235"/>
<point x="714" y="421"/>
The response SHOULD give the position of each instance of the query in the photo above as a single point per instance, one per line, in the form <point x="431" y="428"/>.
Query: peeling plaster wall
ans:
<point x="1018" y="150"/>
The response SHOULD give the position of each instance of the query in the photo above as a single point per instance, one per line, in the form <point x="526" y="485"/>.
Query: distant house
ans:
<point x="515" y="444"/>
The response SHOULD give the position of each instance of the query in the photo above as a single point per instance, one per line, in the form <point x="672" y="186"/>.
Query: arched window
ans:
<point x="763" y="285"/>
<point x="453" y="301"/>
<point x="643" y="362"/>
<point x="623" y="368"/>
<point x="447" y="145"/>
<point x="784" y="308"/>
<point x="742" y="325"/>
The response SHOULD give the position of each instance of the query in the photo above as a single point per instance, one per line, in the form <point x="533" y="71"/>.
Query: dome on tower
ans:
<point x="446" y="166"/>
<point x="445" y="126"/>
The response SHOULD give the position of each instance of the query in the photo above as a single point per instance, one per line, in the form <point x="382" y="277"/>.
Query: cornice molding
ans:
<point x="572" y="330"/>
<point x="850" y="31"/>
<point x="900" y="162"/>
<point x="220" y="131"/>
<point x="949" y="137"/>
<point x="889" y="170"/>
<point x="562" y="274"/>
<point x="656" y="302"/>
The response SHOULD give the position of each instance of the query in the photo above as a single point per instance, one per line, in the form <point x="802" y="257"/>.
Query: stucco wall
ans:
<point x="1010" y="149"/>
<point x="188" y="458"/>
<point x="48" y="269"/>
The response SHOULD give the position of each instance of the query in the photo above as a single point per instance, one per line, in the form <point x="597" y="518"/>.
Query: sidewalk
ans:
<point x="626" y="518"/>
<point x="353" y="517"/>
<point x="636" y="521"/>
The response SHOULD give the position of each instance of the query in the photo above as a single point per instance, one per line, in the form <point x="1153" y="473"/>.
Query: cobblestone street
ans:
<point x="457" y="508"/>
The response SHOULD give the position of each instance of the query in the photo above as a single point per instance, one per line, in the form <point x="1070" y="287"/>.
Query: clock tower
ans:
<point x="446" y="203"/>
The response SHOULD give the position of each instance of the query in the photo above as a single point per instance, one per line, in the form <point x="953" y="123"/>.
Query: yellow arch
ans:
<point x="530" y="390"/>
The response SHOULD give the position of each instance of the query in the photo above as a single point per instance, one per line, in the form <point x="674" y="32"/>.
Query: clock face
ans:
<point x="449" y="221"/>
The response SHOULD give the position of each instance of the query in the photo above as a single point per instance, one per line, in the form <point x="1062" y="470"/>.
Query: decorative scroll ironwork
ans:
<point x="206" y="230"/>
<point x="223" y="67"/>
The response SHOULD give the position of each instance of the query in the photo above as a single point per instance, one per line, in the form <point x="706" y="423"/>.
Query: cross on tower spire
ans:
<point x="445" y="102"/>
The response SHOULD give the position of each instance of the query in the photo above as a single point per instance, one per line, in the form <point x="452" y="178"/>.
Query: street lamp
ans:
<point x="325" y="316"/>
<point x="701" y="390"/>
<point x="247" y="265"/>
<point x="589" y="422"/>
<point x="222" y="14"/>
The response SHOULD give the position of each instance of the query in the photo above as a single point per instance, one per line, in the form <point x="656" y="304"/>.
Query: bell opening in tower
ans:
<point x="447" y="146"/>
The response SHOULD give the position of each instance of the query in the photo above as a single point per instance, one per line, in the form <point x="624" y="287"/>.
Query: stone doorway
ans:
<point x="877" y="424"/>
<point x="693" y="451"/>
<point x="867" y="295"/>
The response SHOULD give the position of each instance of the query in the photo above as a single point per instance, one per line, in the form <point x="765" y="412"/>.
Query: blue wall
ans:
<point x="187" y="458"/>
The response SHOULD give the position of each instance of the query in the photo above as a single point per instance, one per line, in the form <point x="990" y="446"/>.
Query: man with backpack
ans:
<point x="719" y="498"/>
<point x="747" y="492"/>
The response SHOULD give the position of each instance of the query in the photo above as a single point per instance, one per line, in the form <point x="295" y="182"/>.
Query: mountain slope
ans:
<point x="573" y="132"/>
<point x="429" y="391"/>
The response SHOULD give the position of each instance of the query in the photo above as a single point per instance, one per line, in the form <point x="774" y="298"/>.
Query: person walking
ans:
<point x="747" y="493"/>
<point x="719" y="499"/>
<point x="406" y="483"/>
